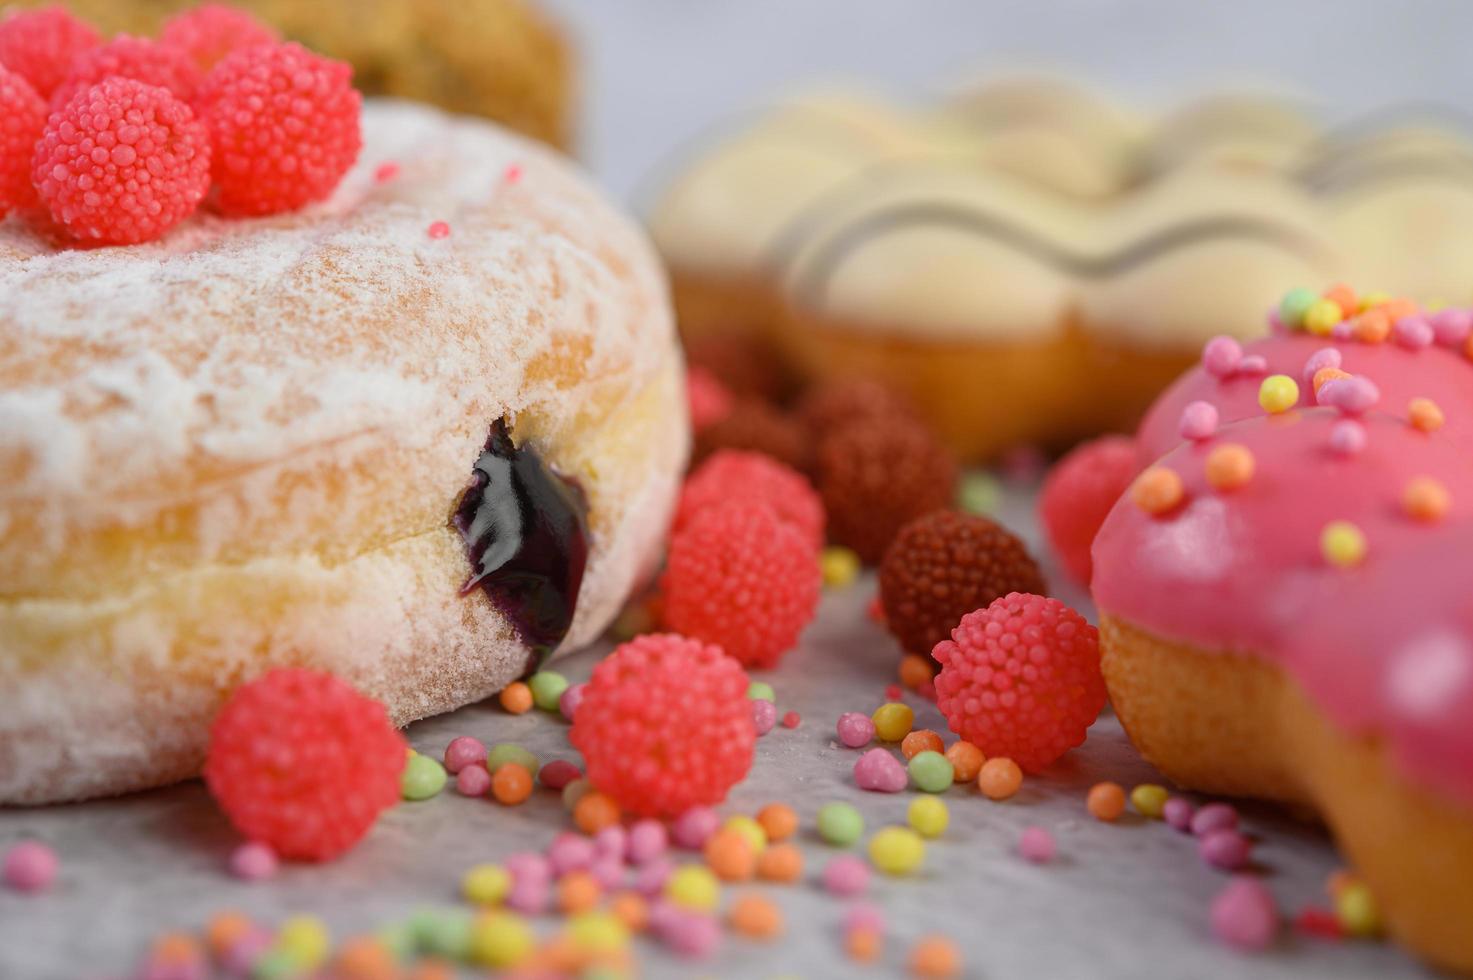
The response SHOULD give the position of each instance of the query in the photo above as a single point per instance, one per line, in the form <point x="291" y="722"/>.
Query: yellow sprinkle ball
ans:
<point x="1357" y="911"/>
<point x="915" y="671"/>
<point x="500" y="939"/>
<point x="1322" y="316"/>
<point x="693" y="887"/>
<point x="928" y="816"/>
<point x="1372" y="327"/>
<point x="1373" y="299"/>
<point x="750" y="829"/>
<point x="1426" y="499"/>
<point x="1278" y="393"/>
<point x="598" y="932"/>
<point x="1343" y="544"/>
<point x="893" y="721"/>
<point x="1149" y="800"/>
<point x="840" y="567"/>
<point x="1424" y="415"/>
<point x="1327" y="374"/>
<point x="1229" y="466"/>
<point x="1158" y="490"/>
<point x="485" y="884"/>
<point x="897" y="850"/>
<point x="305" y="939"/>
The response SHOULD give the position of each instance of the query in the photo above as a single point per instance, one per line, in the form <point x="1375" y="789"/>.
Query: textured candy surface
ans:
<point x="137" y="58"/>
<point x="39" y="45"/>
<point x="1078" y="495"/>
<point x="211" y="31"/>
<point x="22" y="118"/>
<point x="734" y="474"/>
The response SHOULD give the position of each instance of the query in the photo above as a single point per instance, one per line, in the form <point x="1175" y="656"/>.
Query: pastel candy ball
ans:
<point x="846" y="876"/>
<point x="30" y="867"/>
<point x="693" y="887"/>
<point x="507" y="752"/>
<point x="648" y="840"/>
<point x="931" y="771"/>
<point x="840" y="824"/>
<point x="253" y="861"/>
<point x="1294" y="305"/>
<point x="1278" y="393"/>
<point x="1347" y="438"/>
<point x="694" y="827"/>
<point x="897" y="850"/>
<point x="1225" y="849"/>
<point x="463" y="751"/>
<point x="572" y="697"/>
<point x="855" y="730"/>
<point x="423" y="778"/>
<point x="879" y="771"/>
<point x="1198" y="421"/>
<point x="1214" y="816"/>
<point x="928" y="816"/>
<point x="486" y="884"/>
<point x="1244" y="915"/>
<point x="1037" y="845"/>
<point x="547" y="687"/>
<point x="473" y="780"/>
<point x="764" y="715"/>
<point x="1149" y="800"/>
<point x="893" y="721"/>
<point x="1221" y="355"/>
<point x="1413" y="332"/>
<point x="761" y="691"/>
<point x="1178" y="813"/>
<point x="1351" y="396"/>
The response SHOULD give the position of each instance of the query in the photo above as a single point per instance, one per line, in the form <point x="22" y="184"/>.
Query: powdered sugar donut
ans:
<point x="1281" y="616"/>
<point x="416" y="458"/>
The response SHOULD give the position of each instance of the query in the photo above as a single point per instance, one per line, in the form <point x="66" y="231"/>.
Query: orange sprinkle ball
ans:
<point x="176" y="948"/>
<point x="1158" y="490"/>
<point x="1106" y="801"/>
<point x="365" y="958"/>
<point x="1399" y="307"/>
<point x="511" y="783"/>
<point x="863" y="945"/>
<point x="1339" y="880"/>
<point x="1229" y="466"/>
<point x="631" y="909"/>
<point x="756" y="917"/>
<point x="779" y="821"/>
<point x="915" y="671"/>
<point x="594" y="812"/>
<point x="935" y="956"/>
<point x="1344" y="297"/>
<point x="1372" y="327"/>
<point x="920" y="740"/>
<point x="999" y="778"/>
<point x="432" y="970"/>
<point x="781" y="863"/>
<point x="729" y="855"/>
<point x="516" y="698"/>
<point x="1426" y="499"/>
<point x="224" y="931"/>
<point x="1424" y="415"/>
<point x="1327" y="374"/>
<point x="966" y="760"/>
<point x="578" y="891"/>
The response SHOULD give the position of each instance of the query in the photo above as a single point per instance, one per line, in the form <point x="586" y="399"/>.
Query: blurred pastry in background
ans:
<point x="502" y="59"/>
<point x="1029" y="265"/>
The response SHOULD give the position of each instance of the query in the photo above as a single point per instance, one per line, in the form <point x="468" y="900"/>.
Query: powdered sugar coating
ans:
<point x="245" y="402"/>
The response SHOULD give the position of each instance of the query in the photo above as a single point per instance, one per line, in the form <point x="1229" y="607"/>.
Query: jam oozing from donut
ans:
<point x="526" y="534"/>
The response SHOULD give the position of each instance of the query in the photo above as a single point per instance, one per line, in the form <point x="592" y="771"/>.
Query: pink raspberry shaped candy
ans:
<point x="209" y="32"/>
<point x="137" y="58"/>
<point x="1078" y="494"/>
<point x="22" y="118"/>
<point x="739" y="577"/>
<point x="1021" y="679"/>
<point x="285" y="126"/>
<point x="121" y="163"/>
<point x="40" y="45"/>
<point x="665" y="725"/>
<point x="736" y="474"/>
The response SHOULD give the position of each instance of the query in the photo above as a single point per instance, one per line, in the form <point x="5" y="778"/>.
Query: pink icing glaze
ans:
<point x="1394" y="657"/>
<point x="1439" y="373"/>
<point x="1242" y="570"/>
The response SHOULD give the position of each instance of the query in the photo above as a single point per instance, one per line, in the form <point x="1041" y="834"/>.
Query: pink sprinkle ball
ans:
<point x="1253" y="364"/>
<point x="1413" y="332"/>
<point x="1244" y="915"/>
<point x="864" y="917"/>
<point x="253" y="861"/>
<point x="792" y="719"/>
<point x="528" y="867"/>
<point x="855" y="730"/>
<point x="608" y="871"/>
<point x="694" y="935"/>
<point x="880" y="772"/>
<point x="1198" y="421"/>
<point x="512" y="174"/>
<point x="1037" y="845"/>
<point x="570" y="852"/>
<point x="386" y="172"/>
<point x="30" y="867"/>
<point x="530" y="897"/>
<point x="571" y="698"/>
<point x="1178" y="813"/>
<point x="764" y="715"/>
<point x="1347" y="438"/>
<point x="1351" y="396"/>
<point x="1221" y="357"/>
<point x="439" y="230"/>
<point x="1214" y="816"/>
<point x="473" y="780"/>
<point x="1225" y="849"/>
<point x="893" y="692"/>
<point x="1452" y="327"/>
<point x="241" y="956"/>
<point x="648" y="840"/>
<point x="694" y="827"/>
<point x="650" y="880"/>
<point x="557" y="774"/>
<point x="1325" y="357"/>
<point x="846" y="876"/>
<point x="462" y="752"/>
<point x="612" y="841"/>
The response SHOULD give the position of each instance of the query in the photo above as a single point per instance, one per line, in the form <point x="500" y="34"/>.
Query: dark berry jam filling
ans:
<point x="526" y="533"/>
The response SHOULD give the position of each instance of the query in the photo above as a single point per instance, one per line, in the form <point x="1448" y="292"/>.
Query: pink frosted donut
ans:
<point x="1285" y="612"/>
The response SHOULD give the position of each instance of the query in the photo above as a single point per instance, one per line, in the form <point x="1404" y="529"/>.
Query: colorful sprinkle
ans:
<point x="840" y="824"/>
<point x="966" y="760"/>
<point x="486" y="884"/>
<point x="693" y="887"/>
<point x="999" y="778"/>
<point x="547" y="689"/>
<point x="1294" y="305"/>
<point x="253" y="861"/>
<point x="1105" y="801"/>
<point x="1198" y="421"/>
<point x="928" y="816"/>
<point x="935" y="957"/>
<point x="1347" y="438"/>
<point x="915" y="671"/>
<point x="840" y="567"/>
<point x="1278" y="393"/>
<point x="791" y="719"/>
<point x="1221" y="356"/>
<point x="1037" y="845"/>
<point x="1322" y="316"/>
<point x="1372" y="327"/>
<point x="780" y="862"/>
<point x="855" y="730"/>
<point x="880" y="772"/>
<point x="756" y="917"/>
<point x="1214" y="816"/>
<point x="846" y="876"/>
<point x="1229" y="466"/>
<point x="1149" y="800"/>
<point x="930" y="771"/>
<point x="893" y="721"/>
<point x="764" y="716"/>
<point x="30" y="867"/>
<point x="694" y="827"/>
<point x="423" y="778"/>
<point x="1225" y="849"/>
<point x="386" y="172"/>
<point x="1158" y="490"/>
<point x="1426" y="499"/>
<point x="1178" y="813"/>
<point x="920" y="740"/>
<point x="439" y="230"/>
<point x="1425" y="415"/>
<point x="897" y="850"/>
<point x="1342" y="544"/>
<point x="462" y="752"/>
<point x="512" y="784"/>
<point x="1413" y="332"/>
<point x="515" y="698"/>
<point x="557" y="774"/>
<point x="761" y="691"/>
<point x="1244" y="915"/>
<point x="1356" y="909"/>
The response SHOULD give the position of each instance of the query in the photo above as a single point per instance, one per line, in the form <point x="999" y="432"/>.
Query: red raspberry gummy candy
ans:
<point x="300" y="760"/>
<point x="40" y="45"/>
<point x="122" y="162"/>
<point x="22" y="117"/>
<point x="740" y="577"/>
<point x="211" y="31"/>
<point x="737" y="474"/>
<point x="1078" y="494"/>
<point x="285" y="128"/>
<point x="665" y="725"/>
<point x="1021" y="679"/>
<point x="137" y="58"/>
